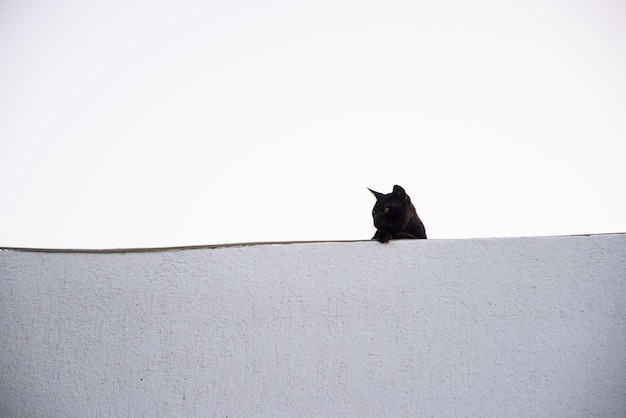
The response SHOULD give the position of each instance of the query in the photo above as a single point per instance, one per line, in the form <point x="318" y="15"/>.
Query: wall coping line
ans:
<point x="252" y="244"/>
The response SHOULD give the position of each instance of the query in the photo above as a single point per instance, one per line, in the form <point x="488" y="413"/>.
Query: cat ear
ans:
<point x="377" y="194"/>
<point x="399" y="192"/>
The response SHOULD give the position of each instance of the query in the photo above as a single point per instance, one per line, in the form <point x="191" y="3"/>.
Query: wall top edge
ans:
<point x="164" y="249"/>
<point x="251" y="244"/>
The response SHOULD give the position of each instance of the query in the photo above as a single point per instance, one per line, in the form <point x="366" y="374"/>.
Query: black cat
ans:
<point x="395" y="217"/>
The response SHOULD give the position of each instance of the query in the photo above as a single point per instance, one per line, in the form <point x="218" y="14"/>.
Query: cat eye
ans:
<point x="386" y="210"/>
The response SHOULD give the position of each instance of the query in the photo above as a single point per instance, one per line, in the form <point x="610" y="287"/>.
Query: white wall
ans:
<point x="493" y="328"/>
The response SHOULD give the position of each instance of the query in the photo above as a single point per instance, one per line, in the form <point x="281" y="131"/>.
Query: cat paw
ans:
<point x="383" y="236"/>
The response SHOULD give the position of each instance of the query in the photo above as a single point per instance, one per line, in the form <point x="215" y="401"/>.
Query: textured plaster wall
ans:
<point x="492" y="328"/>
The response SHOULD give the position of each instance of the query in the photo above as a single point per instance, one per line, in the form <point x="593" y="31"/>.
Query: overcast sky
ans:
<point x="143" y="124"/>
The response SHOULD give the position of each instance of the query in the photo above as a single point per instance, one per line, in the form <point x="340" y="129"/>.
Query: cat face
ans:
<point x="391" y="211"/>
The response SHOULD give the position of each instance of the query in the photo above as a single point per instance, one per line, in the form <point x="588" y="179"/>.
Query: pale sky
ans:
<point x="147" y="124"/>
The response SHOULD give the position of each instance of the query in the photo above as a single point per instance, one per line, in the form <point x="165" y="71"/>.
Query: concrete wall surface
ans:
<point x="514" y="327"/>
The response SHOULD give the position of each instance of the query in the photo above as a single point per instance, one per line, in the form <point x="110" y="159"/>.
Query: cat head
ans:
<point x="392" y="210"/>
